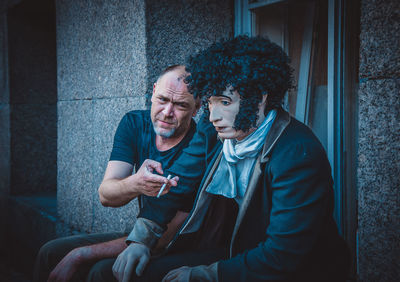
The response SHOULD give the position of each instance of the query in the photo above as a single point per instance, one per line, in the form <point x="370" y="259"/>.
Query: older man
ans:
<point x="159" y="134"/>
<point x="264" y="208"/>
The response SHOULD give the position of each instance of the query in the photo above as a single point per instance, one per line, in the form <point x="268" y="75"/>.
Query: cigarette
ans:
<point x="164" y="185"/>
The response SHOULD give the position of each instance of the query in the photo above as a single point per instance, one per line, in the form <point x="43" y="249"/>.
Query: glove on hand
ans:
<point x="135" y="253"/>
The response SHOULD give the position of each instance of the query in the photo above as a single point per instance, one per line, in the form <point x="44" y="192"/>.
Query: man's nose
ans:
<point x="214" y="114"/>
<point x="168" y="109"/>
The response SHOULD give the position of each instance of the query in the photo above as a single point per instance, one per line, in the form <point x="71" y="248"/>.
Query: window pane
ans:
<point x="283" y="24"/>
<point x="318" y="107"/>
<point x="300" y="28"/>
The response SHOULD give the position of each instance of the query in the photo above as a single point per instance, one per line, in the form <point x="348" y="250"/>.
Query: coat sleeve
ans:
<point x="300" y="184"/>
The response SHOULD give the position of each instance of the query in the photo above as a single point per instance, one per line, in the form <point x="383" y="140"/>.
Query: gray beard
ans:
<point x="163" y="133"/>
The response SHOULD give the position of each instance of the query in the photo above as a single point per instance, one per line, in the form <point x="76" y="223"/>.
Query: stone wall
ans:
<point x="4" y="125"/>
<point x="379" y="142"/>
<point x="179" y="28"/>
<point x="101" y="74"/>
<point x="108" y="56"/>
<point x="4" y="106"/>
<point x="33" y="96"/>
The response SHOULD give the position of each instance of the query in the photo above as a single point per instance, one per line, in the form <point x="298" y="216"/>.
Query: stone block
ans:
<point x="5" y="153"/>
<point x="75" y="163"/>
<point x="3" y="221"/>
<point x="380" y="39"/>
<point x="101" y="49"/>
<point x="33" y="144"/>
<point x="178" y="28"/>
<point x="4" y="91"/>
<point x="32" y="52"/>
<point x="107" y="114"/>
<point x="378" y="180"/>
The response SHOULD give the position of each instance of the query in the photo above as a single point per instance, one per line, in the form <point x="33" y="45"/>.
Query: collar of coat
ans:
<point x="194" y="220"/>
<point x="280" y="123"/>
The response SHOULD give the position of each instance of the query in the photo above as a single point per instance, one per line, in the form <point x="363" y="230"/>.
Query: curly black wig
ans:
<point x="253" y="66"/>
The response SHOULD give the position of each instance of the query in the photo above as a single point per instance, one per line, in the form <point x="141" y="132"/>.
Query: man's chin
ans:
<point x="163" y="132"/>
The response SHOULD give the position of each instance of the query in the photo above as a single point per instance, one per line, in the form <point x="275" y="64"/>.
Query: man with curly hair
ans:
<point x="263" y="210"/>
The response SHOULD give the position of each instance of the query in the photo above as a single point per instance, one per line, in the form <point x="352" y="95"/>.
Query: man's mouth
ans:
<point x="167" y="123"/>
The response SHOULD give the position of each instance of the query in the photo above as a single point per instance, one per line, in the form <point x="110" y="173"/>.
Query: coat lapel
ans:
<point x="195" y="219"/>
<point x="281" y="122"/>
<point x="246" y="200"/>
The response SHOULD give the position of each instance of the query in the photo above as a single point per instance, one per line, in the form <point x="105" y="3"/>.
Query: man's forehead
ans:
<point x="228" y="92"/>
<point x="176" y="91"/>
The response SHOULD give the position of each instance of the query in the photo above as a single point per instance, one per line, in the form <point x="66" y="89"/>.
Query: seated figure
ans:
<point x="159" y="134"/>
<point x="264" y="208"/>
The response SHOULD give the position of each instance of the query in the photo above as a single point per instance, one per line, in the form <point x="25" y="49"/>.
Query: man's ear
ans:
<point x="154" y="88"/>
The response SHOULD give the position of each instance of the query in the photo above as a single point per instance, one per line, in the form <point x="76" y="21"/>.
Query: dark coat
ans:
<point x="284" y="229"/>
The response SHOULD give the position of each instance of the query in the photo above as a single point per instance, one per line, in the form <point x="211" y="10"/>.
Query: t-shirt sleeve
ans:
<point x="125" y="142"/>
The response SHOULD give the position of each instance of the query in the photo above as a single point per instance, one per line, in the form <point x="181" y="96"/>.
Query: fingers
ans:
<point x="174" y="181"/>
<point x="116" y="268"/>
<point x="151" y="165"/>
<point x="122" y="267"/>
<point x="141" y="265"/>
<point x="178" y="274"/>
<point x="170" y="275"/>
<point x="128" y="270"/>
<point x="155" y="178"/>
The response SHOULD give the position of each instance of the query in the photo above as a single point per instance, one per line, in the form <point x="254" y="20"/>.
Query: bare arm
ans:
<point x="67" y="267"/>
<point x="119" y="186"/>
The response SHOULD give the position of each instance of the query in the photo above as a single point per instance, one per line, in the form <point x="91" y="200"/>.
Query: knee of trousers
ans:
<point x="46" y="259"/>
<point x="101" y="271"/>
<point x="52" y="250"/>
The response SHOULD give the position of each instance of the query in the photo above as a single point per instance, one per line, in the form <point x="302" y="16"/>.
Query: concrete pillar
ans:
<point x="379" y="142"/>
<point x="4" y="106"/>
<point x="101" y="74"/>
<point x="33" y="96"/>
<point x="108" y="55"/>
<point x="4" y="124"/>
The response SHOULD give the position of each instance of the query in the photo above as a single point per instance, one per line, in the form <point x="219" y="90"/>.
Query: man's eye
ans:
<point x="225" y="103"/>
<point x="182" y="106"/>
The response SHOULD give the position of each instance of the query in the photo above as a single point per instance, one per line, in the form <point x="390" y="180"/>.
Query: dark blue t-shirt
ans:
<point x="135" y="141"/>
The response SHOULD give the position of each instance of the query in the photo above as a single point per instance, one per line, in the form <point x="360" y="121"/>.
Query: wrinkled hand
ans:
<point x="67" y="267"/>
<point x="148" y="183"/>
<point x="135" y="255"/>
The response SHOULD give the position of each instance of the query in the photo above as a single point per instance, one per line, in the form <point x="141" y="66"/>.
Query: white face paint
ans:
<point x="223" y="111"/>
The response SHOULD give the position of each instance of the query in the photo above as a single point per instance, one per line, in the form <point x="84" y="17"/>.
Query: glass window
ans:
<point x="300" y="29"/>
<point x="321" y="37"/>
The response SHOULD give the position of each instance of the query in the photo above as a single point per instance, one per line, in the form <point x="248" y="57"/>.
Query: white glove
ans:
<point x="196" y="273"/>
<point x="135" y="253"/>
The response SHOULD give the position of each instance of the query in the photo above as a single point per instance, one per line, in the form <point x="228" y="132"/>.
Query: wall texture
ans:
<point x="4" y="126"/>
<point x="108" y="55"/>
<point x="4" y="107"/>
<point x="178" y="28"/>
<point x="102" y="74"/>
<point x="379" y="142"/>
<point x="33" y="96"/>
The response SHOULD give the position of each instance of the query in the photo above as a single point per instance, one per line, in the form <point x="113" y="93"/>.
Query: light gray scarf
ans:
<point x="233" y="173"/>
